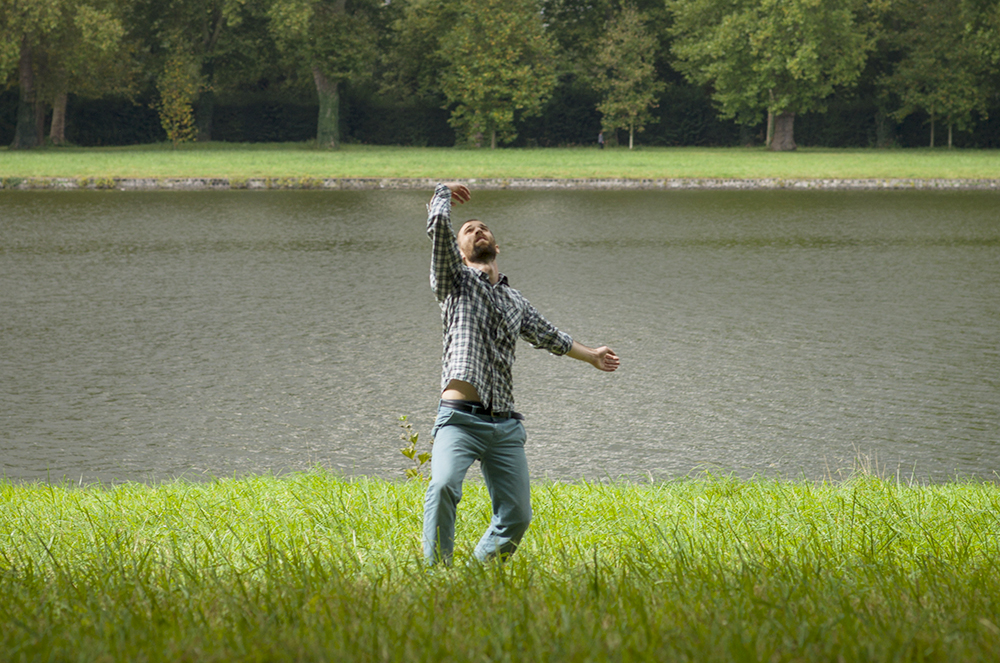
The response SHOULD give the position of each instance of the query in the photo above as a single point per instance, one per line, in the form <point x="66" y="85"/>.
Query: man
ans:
<point x="483" y="317"/>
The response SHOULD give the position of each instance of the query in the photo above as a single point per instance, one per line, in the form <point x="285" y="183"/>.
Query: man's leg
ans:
<point x="505" y="469"/>
<point x="455" y="449"/>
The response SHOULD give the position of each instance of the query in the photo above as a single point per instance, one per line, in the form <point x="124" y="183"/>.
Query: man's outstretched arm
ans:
<point x="602" y="358"/>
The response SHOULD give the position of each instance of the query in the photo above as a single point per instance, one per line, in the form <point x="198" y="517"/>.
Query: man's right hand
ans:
<point x="459" y="192"/>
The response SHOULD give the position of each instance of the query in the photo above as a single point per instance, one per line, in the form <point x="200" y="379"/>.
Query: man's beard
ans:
<point x="483" y="254"/>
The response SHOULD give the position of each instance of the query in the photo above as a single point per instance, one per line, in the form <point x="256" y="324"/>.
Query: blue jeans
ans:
<point x="498" y="444"/>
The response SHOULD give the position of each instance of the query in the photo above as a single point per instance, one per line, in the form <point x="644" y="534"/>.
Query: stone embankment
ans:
<point x="346" y="183"/>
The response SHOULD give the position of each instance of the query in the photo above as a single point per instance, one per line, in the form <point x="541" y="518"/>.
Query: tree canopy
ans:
<point x="945" y="48"/>
<point x="495" y="72"/>
<point x="60" y="46"/>
<point x="777" y="57"/>
<point x="625" y="74"/>
<point x="500" y="62"/>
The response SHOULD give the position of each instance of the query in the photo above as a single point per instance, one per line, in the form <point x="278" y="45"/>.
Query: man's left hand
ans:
<point x="602" y="358"/>
<point x="605" y="359"/>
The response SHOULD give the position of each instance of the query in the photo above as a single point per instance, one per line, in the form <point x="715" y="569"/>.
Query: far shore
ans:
<point x="370" y="183"/>
<point x="262" y="166"/>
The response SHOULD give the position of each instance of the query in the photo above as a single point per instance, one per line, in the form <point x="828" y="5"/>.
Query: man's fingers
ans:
<point x="459" y="192"/>
<point x="609" y="360"/>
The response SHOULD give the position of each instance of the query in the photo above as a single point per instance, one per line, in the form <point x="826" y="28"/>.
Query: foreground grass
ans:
<point x="224" y="160"/>
<point x="312" y="567"/>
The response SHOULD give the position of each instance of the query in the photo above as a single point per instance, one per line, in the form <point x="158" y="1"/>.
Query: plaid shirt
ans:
<point x="481" y="321"/>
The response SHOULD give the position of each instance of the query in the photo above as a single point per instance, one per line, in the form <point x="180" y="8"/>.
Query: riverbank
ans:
<point x="315" y="567"/>
<point x="229" y="166"/>
<point x="361" y="183"/>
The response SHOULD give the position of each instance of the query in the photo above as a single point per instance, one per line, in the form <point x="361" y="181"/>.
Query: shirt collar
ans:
<point x="483" y="276"/>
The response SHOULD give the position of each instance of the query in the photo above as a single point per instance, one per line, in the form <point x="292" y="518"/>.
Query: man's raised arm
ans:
<point x="446" y="259"/>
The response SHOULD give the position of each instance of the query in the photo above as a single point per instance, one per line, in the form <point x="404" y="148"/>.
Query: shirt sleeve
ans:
<point x="541" y="333"/>
<point x="446" y="260"/>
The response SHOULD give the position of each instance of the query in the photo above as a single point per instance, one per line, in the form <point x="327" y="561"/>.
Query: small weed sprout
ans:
<point x="410" y="450"/>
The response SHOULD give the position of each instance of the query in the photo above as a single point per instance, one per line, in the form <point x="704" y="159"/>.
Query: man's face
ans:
<point x="476" y="242"/>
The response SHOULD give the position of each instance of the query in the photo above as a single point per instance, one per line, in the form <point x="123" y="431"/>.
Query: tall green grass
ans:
<point x="243" y="161"/>
<point x="315" y="567"/>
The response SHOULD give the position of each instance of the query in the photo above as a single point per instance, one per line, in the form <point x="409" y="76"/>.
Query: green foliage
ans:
<point x="325" y="35"/>
<point x="413" y="65"/>
<point x="946" y="48"/>
<point x="777" y="56"/>
<point x="385" y="67"/>
<point x="625" y="73"/>
<point x="335" y="42"/>
<point x="65" y="46"/>
<point x="500" y="63"/>
<point x="33" y="19"/>
<point x="95" y="57"/>
<point x="419" y="458"/>
<point x="178" y="86"/>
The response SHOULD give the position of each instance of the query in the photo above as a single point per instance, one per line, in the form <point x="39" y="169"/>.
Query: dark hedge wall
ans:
<point x="685" y="116"/>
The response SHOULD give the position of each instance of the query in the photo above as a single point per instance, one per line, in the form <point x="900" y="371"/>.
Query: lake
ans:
<point x="151" y="335"/>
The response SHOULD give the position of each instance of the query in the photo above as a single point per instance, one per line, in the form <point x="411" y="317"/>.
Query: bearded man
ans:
<point x="482" y="318"/>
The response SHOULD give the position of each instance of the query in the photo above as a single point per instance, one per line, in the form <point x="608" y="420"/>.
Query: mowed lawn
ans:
<point x="303" y="160"/>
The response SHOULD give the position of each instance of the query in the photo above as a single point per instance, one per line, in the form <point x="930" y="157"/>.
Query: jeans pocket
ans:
<point x="444" y="415"/>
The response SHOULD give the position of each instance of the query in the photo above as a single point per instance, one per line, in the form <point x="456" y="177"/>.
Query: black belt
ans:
<point x="475" y="407"/>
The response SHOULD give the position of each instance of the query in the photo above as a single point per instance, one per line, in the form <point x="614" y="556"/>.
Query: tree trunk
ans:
<point x="328" y="127"/>
<point x="885" y="132"/>
<point x="631" y="135"/>
<point x="205" y="108"/>
<point x="949" y="136"/>
<point x="25" y="133"/>
<point x="57" y="134"/>
<point x="39" y="120"/>
<point x="203" y="115"/>
<point x="932" y="129"/>
<point x="783" y="139"/>
<point x="493" y="139"/>
<point x="770" y="121"/>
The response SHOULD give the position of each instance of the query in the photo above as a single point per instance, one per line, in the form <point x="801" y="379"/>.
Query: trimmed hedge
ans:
<point x="685" y="116"/>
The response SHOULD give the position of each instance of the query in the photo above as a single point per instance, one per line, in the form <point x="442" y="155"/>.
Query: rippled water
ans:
<point x="150" y="335"/>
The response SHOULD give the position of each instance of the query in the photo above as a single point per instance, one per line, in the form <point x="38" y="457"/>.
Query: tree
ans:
<point x="62" y="46"/>
<point x="23" y="26"/>
<point x="500" y="62"/>
<point x="944" y="47"/>
<point x="224" y="40"/>
<point x="178" y="85"/>
<point x="336" y="40"/>
<point x="89" y="56"/>
<point x="625" y="74"/>
<point x="784" y="57"/>
<point x="414" y="62"/>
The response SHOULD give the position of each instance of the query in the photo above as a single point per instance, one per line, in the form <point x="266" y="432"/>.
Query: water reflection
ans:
<point x="148" y="335"/>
